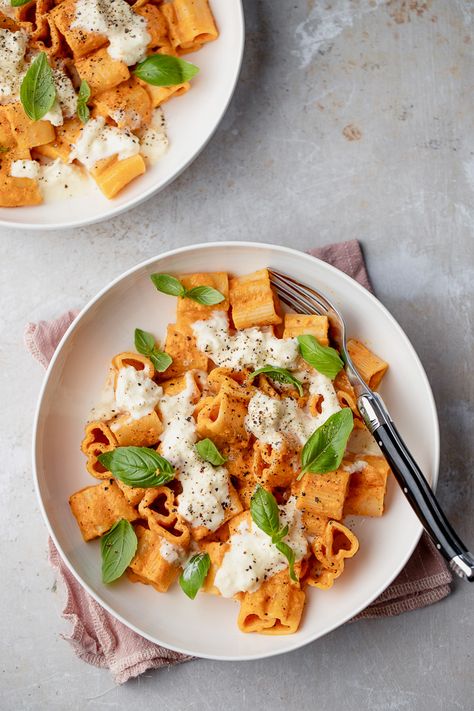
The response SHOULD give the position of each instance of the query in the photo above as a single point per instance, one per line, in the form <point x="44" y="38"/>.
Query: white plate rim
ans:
<point x="205" y="246"/>
<point x="152" y="190"/>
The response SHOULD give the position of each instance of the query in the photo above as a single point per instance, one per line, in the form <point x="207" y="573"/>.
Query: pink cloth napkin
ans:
<point x="100" y="639"/>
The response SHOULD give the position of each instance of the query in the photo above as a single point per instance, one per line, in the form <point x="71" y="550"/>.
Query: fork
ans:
<point x="306" y="300"/>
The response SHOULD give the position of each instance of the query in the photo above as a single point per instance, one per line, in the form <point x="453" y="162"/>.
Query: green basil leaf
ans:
<point x="168" y="284"/>
<point x="37" y="91"/>
<point x="138" y="466"/>
<point x="165" y="70"/>
<point x="144" y="342"/>
<point x="194" y="574"/>
<point x="281" y="534"/>
<point x="208" y="451"/>
<point x="325" y="359"/>
<point x="19" y="3"/>
<point x="325" y="448"/>
<point x="160" y="360"/>
<point x="117" y="548"/>
<point x="205" y="295"/>
<point x="83" y="97"/>
<point x="264" y="511"/>
<point x="290" y="556"/>
<point x="280" y="374"/>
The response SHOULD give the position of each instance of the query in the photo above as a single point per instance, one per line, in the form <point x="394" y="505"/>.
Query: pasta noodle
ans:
<point x="227" y="435"/>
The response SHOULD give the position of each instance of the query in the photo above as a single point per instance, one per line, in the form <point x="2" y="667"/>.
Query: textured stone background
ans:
<point x="351" y="119"/>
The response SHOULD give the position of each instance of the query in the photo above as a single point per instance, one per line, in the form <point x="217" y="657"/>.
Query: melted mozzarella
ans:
<point x="271" y="420"/>
<point x="253" y="558"/>
<point x="154" y="141"/>
<point x="205" y="494"/>
<point x="125" y="30"/>
<point x="65" y="104"/>
<point x="173" y="554"/>
<point x="250" y="347"/>
<point x="12" y="53"/>
<point x="136" y="393"/>
<point x="358" y="466"/>
<point x="58" y="180"/>
<point x="98" y="141"/>
<point x="25" y="169"/>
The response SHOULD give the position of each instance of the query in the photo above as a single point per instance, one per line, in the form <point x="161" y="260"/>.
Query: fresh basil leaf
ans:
<point x="325" y="448"/>
<point x="325" y="359"/>
<point x="160" y="360"/>
<point x="117" y="548"/>
<point x="165" y="70"/>
<point x="168" y="284"/>
<point x="264" y="511"/>
<point x="138" y="466"/>
<point x="83" y="97"/>
<point x="38" y="91"/>
<point x="208" y="451"/>
<point x="290" y="556"/>
<point x="205" y="295"/>
<point x="144" y="342"/>
<point x="19" y="3"/>
<point x="280" y="374"/>
<point x="193" y="576"/>
<point x="277" y="537"/>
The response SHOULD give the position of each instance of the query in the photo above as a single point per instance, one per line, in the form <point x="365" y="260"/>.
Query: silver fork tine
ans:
<point x="323" y="305"/>
<point x="287" y="295"/>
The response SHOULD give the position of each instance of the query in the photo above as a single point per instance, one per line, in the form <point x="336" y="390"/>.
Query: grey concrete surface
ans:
<point x="351" y="119"/>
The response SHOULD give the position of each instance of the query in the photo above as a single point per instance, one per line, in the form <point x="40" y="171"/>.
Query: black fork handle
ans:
<point x="415" y="486"/>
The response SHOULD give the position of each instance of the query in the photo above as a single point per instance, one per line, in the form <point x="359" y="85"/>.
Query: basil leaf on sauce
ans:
<point x="165" y="70"/>
<point x="324" y="359"/>
<point x="19" y="3"/>
<point x="208" y="451"/>
<point x="138" y="466"/>
<point x="280" y="374"/>
<point x="325" y="448"/>
<point x="266" y="515"/>
<point x="194" y="574"/>
<point x="117" y="548"/>
<point x="83" y="97"/>
<point x="145" y="344"/>
<point x="38" y="91"/>
<point x="206" y="295"/>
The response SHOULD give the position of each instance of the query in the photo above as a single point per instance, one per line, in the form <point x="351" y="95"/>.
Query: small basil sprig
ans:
<point x="38" y="91"/>
<point x="117" y="548"/>
<point x="145" y="344"/>
<point x="325" y="359"/>
<point x="325" y="448"/>
<point x="83" y="97"/>
<point x="194" y="574"/>
<point x="18" y="3"/>
<point x="165" y="70"/>
<point x="138" y="466"/>
<point x="265" y="514"/>
<point x="206" y="295"/>
<point x="208" y="451"/>
<point x="279" y="374"/>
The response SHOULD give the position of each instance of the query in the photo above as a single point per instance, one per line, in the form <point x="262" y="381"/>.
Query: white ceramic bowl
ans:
<point x="207" y="627"/>
<point x="191" y="121"/>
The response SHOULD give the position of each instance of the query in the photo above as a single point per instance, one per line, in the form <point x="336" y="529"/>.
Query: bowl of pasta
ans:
<point x="103" y="104"/>
<point x="201" y="463"/>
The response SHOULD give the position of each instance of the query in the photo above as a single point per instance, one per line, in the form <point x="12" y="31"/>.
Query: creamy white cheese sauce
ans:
<point x="25" y="169"/>
<point x="205" y="494"/>
<point x="250" y="347"/>
<point x="173" y="554"/>
<point x="253" y="558"/>
<point x="358" y="466"/>
<point x="125" y="30"/>
<point x="6" y="8"/>
<point x="136" y="393"/>
<point x="65" y="103"/>
<point x="98" y="140"/>
<point x="12" y="66"/>
<point x="59" y="180"/>
<point x="272" y="421"/>
<point x="362" y="442"/>
<point x="154" y="140"/>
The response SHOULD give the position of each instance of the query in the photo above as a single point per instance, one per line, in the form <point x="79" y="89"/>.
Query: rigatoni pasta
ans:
<point x="226" y="458"/>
